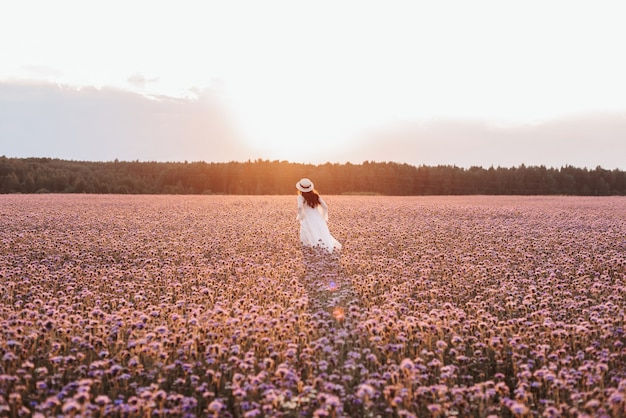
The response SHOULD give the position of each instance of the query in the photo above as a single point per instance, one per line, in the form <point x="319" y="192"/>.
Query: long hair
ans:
<point x="311" y="198"/>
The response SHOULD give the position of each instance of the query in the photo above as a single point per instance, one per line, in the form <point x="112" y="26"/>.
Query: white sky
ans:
<point x="323" y="75"/>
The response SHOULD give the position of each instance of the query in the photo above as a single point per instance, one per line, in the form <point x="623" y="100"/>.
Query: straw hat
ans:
<point x="305" y="185"/>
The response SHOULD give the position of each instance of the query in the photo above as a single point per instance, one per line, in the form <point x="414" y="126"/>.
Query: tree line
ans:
<point x="259" y="177"/>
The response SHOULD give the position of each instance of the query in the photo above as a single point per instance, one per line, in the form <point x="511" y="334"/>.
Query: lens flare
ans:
<point x="338" y="313"/>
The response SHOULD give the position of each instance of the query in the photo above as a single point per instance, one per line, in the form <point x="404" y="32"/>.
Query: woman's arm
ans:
<point x="323" y="208"/>
<point x="300" y="214"/>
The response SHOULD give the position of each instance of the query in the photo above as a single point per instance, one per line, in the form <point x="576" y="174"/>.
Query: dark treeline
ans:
<point x="46" y="175"/>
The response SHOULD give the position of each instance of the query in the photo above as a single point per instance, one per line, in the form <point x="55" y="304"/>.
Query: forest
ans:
<point x="264" y="177"/>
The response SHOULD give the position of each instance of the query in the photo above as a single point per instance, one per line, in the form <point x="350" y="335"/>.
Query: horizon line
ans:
<point x="262" y="160"/>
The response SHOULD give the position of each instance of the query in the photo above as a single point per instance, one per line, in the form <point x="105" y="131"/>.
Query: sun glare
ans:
<point x="309" y="83"/>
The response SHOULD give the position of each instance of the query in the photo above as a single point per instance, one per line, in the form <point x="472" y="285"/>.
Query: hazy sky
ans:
<point x="424" y="82"/>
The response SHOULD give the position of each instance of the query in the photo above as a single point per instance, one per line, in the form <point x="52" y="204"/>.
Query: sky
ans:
<point x="451" y="82"/>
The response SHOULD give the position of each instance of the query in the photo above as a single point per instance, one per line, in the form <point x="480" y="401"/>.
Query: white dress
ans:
<point x="313" y="228"/>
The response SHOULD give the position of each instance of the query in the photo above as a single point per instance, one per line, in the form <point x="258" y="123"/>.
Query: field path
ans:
<point x="329" y="290"/>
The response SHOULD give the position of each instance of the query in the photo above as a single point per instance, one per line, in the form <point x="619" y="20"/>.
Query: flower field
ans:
<point x="138" y="306"/>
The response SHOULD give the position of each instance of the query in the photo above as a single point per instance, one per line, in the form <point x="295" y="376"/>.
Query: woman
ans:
<point x="313" y="215"/>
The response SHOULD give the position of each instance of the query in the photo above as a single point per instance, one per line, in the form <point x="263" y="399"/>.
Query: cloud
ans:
<point x="46" y="120"/>
<point x="139" y="81"/>
<point x="586" y="140"/>
<point x="103" y="124"/>
<point x="42" y="72"/>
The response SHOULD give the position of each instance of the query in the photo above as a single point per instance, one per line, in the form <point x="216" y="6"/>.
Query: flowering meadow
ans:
<point x="139" y="306"/>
